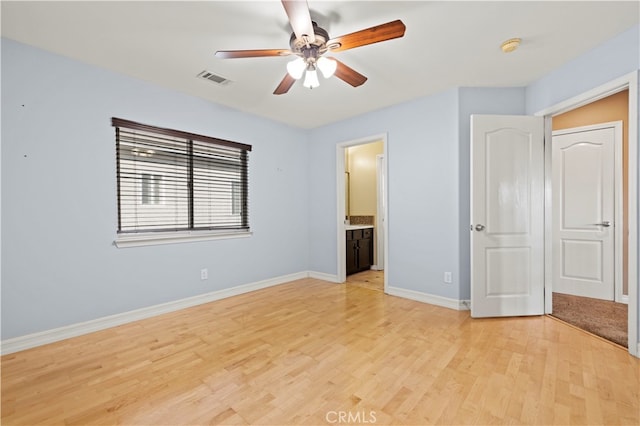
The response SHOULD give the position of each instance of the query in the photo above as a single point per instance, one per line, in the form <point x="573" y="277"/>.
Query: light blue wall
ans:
<point x="428" y="161"/>
<point x="58" y="186"/>
<point x="422" y="182"/>
<point x="610" y="60"/>
<point x="59" y="214"/>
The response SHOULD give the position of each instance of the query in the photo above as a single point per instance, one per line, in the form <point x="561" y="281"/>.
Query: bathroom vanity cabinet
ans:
<point x="359" y="249"/>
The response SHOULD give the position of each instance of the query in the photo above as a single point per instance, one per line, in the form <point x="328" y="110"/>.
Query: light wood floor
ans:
<point x="308" y="352"/>
<point x="373" y="280"/>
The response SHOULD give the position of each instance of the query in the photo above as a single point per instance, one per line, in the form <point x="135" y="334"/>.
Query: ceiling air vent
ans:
<point x="218" y="79"/>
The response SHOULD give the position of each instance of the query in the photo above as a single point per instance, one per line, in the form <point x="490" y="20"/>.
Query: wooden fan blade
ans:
<point x="388" y="31"/>
<point x="348" y="74"/>
<point x="231" y="54"/>
<point x="284" y="85"/>
<point x="300" y="19"/>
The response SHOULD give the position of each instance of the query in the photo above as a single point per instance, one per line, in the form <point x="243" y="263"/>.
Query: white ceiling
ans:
<point x="447" y="44"/>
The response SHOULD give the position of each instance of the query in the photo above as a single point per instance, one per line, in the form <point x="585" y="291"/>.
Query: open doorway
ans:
<point x="361" y="212"/>
<point x="589" y="218"/>
<point x="628" y="83"/>
<point x="525" y="131"/>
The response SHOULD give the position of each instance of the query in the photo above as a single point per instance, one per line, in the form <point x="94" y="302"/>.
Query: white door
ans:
<point x="583" y="167"/>
<point x="507" y="215"/>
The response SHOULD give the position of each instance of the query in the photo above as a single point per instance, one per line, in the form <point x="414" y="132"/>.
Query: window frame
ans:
<point x="143" y="237"/>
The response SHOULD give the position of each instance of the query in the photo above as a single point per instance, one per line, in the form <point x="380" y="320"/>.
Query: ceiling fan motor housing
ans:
<point x="310" y="50"/>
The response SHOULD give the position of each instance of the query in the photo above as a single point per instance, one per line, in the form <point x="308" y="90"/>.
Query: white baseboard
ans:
<point x="323" y="276"/>
<point x="28" y="341"/>
<point x="445" y="302"/>
<point x="622" y="299"/>
<point x="49" y="336"/>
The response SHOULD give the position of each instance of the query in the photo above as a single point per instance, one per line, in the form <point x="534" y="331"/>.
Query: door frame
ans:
<point x="630" y="82"/>
<point x="381" y="220"/>
<point x="341" y="238"/>
<point x="617" y="198"/>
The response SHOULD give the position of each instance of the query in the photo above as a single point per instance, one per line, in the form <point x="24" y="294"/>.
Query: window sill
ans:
<point x="157" y="238"/>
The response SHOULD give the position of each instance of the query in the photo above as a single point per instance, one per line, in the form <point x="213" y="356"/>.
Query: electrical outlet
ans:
<point x="204" y="274"/>
<point x="447" y="278"/>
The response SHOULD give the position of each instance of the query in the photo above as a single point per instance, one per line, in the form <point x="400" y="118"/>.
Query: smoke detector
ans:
<point x="510" y="45"/>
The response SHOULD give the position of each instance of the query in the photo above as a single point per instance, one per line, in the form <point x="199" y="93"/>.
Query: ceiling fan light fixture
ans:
<point x="327" y="66"/>
<point x="296" y="68"/>
<point x="311" y="79"/>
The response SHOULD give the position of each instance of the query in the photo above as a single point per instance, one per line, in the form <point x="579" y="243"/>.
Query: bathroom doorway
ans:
<point x="362" y="201"/>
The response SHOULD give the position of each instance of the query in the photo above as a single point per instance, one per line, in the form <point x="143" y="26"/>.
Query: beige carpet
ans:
<point x="600" y="317"/>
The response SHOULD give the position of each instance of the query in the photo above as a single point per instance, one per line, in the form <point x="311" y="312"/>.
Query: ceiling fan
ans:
<point x="309" y="43"/>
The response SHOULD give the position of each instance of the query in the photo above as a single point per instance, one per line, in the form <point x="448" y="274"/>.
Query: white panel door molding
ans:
<point x="507" y="214"/>
<point x="584" y="213"/>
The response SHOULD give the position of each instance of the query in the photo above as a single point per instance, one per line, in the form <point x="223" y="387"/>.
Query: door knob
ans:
<point x="479" y="227"/>
<point x="604" y="223"/>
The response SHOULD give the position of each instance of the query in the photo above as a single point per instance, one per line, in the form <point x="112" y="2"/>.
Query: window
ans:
<point x="151" y="188"/>
<point x="171" y="181"/>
